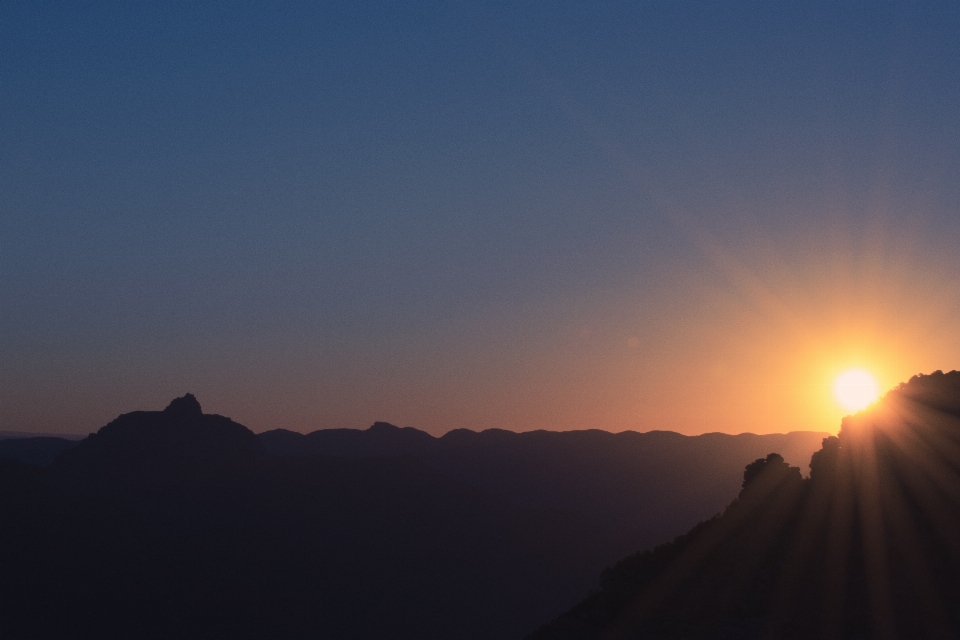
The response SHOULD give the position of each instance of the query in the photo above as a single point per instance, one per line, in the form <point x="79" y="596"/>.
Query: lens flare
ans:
<point x="855" y="389"/>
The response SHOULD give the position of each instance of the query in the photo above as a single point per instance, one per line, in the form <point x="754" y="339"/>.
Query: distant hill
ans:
<point x="39" y="450"/>
<point x="641" y="488"/>
<point x="179" y="524"/>
<point x="644" y="488"/>
<point x="867" y="547"/>
<point x="6" y="435"/>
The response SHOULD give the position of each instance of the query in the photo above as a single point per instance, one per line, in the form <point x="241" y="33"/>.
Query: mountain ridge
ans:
<point x="649" y="486"/>
<point x="179" y="519"/>
<point x="643" y="487"/>
<point x="167" y="524"/>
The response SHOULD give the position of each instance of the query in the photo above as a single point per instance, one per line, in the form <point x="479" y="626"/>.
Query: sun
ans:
<point x="855" y="389"/>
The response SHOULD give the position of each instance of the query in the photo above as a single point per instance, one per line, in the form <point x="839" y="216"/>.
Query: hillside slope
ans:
<point x="868" y="546"/>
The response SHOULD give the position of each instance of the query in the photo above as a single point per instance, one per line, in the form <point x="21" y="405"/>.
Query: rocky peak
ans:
<point x="184" y="406"/>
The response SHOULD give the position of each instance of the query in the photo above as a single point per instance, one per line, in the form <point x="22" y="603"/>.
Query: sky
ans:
<point x="517" y="215"/>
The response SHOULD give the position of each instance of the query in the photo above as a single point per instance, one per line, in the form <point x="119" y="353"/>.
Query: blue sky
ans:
<point x="517" y="215"/>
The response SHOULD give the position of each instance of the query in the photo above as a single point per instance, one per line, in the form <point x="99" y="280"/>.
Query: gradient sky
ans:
<point x="560" y="215"/>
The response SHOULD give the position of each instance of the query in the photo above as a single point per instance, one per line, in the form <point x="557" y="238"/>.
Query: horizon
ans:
<point x="254" y="429"/>
<point x="623" y="217"/>
<point x="81" y="435"/>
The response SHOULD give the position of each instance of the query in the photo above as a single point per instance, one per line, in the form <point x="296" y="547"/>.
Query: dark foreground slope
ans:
<point x="867" y="547"/>
<point x="177" y="524"/>
<point x="644" y="488"/>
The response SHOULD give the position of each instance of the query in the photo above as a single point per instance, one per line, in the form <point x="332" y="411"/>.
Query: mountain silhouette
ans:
<point x="643" y="488"/>
<point x="178" y="524"/>
<point x="867" y="547"/>
<point x="156" y="446"/>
